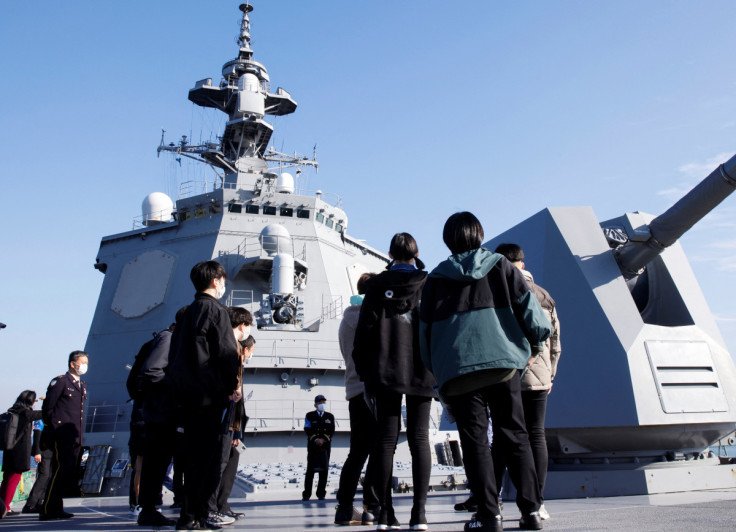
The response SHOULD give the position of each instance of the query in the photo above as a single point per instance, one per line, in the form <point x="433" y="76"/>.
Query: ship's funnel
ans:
<point x="156" y="209"/>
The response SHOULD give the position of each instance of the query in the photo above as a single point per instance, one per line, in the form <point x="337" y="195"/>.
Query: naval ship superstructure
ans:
<point x="289" y="260"/>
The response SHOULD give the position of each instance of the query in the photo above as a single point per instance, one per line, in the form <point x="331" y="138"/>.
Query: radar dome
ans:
<point x="275" y="239"/>
<point x="156" y="208"/>
<point x="285" y="184"/>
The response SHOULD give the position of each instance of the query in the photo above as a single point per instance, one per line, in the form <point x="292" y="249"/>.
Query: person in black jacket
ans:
<point x="386" y="356"/>
<point x="319" y="426"/>
<point x="17" y="459"/>
<point x="63" y="416"/>
<point x="203" y="368"/>
<point x="42" y="457"/>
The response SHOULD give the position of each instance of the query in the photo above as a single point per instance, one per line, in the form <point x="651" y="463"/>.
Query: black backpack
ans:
<point x="135" y="379"/>
<point x="8" y="430"/>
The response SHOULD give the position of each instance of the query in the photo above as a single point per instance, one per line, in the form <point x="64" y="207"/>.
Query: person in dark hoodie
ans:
<point x="17" y="459"/>
<point x="481" y="326"/>
<point x="386" y="356"/>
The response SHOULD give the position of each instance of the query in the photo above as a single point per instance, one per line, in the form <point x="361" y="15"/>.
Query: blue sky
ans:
<point x="418" y="110"/>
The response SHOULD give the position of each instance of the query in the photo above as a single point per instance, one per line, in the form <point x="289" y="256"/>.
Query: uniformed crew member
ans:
<point x="63" y="416"/>
<point x="319" y="426"/>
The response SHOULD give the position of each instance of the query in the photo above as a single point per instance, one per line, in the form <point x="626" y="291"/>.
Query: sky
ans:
<point x="417" y="110"/>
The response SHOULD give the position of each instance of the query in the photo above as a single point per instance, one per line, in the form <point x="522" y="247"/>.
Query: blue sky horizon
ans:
<point x="417" y="110"/>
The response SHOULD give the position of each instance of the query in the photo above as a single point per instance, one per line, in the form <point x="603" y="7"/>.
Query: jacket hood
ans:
<point x="398" y="290"/>
<point x="468" y="266"/>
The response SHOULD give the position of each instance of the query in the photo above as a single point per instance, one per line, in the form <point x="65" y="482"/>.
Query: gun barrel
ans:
<point x="666" y="228"/>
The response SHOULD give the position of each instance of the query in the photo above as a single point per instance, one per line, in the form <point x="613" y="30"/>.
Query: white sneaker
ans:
<point x="543" y="513"/>
<point x="135" y="510"/>
<point x="218" y="519"/>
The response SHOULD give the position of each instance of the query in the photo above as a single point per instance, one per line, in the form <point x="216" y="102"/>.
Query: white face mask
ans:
<point x="321" y="407"/>
<point x="246" y="332"/>
<point x="220" y="290"/>
<point x="82" y="369"/>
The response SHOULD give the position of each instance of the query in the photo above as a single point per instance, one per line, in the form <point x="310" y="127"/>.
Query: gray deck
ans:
<point x="701" y="510"/>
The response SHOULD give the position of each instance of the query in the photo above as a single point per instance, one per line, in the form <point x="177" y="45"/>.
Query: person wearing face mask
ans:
<point x="63" y="416"/>
<point x="319" y="426"/>
<point x="220" y="513"/>
<point x="203" y="371"/>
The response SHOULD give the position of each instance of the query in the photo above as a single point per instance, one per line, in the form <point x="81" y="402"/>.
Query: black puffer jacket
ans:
<point x="18" y="459"/>
<point x="386" y="347"/>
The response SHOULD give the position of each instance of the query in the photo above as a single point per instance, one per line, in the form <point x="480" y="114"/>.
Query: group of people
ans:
<point x="476" y="333"/>
<point x="53" y="437"/>
<point x="473" y="333"/>
<point x="186" y="384"/>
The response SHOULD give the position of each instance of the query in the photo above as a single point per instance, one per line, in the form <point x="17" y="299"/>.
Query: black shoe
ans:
<point x="31" y="510"/>
<point x="418" y="520"/>
<point x="471" y="505"/>
<point x="234" y="515"/>
<point x="367" y="518"/>
<point x="530" y="521"/>
<point x="321" y="497"/>
<point x="305" y="497"/>
<point x="155" y="519"/>
<point x="495" y="524"/>
<point x="388" y="521"/>
<point x="345" y="515"/>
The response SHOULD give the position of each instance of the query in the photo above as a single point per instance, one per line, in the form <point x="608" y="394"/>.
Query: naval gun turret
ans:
<point x="645" y="382"/>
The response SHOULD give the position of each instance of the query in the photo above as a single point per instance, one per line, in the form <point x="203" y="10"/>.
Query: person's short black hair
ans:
<point x="248" y="342"/>
<point x="76" y="355"/>
<point x="513" y="252"/>
<point x="462" y="232"/>
<point x="239" y="315"/>
<point x="403" y="247"/>
<point x="362" y="280"/>
<point x="26" y="399"/>
<point x="204" y="273"/>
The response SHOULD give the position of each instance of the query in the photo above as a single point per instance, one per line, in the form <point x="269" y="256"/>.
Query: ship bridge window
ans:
<point x="235" y="207"/>
<point x="251" y="209"/>
<point x="269" y="209"/>
<point x="329" y="222"/>
<point x="302" y="213"/>
<point x="184" y="216"/>
<point x="215" y="209"/>
<point x="338" y="228"/>
<point x="320" y="217"/>
<point x="287" y="211"/>
<point x="200" y="212"/>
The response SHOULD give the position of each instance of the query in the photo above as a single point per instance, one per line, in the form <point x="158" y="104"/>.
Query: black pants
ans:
<point x="156" y="459"/>
<point x="227" y="480"/>
<point x="388" y="406"/>
<point x="202" y="461"/>
<point x="509" y="438"/>
<point x="43" y="473"/>
<point x="362" y="441"/>
<point x="317" y="461"/>
<point x="225" y="446"/>
<point x="64" y="463"/>
<point x="535" y="409"/>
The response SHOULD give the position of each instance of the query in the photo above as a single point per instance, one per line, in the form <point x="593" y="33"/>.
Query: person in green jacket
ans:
<point x="480" y="327"/>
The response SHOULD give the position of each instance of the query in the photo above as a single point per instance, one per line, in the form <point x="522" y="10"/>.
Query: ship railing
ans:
<point x="241" y="298"/>
<point x="195" y="187"/>
<point x="300" y="353"/>
<point x="108" y="418"/>
<point x="332" y="308"/>
<point x="152" y="219"/>
<point x="286" y="414"/>
<point x="330" y="198"/>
